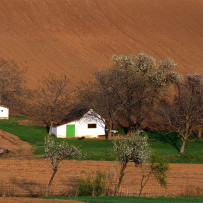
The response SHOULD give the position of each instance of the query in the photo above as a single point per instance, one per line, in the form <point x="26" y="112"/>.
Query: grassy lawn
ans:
<point x="166" y="144"/>
<point x="104" y="199"/>
<point x="32" y="134"/>
<point x="93" y="149"/>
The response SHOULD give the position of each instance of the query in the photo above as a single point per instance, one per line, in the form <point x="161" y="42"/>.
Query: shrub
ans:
<point x="85" y="187"/>
<point x="157" y="170"/>
<point x="92" y="186"/>
<point x="99" y="184"/>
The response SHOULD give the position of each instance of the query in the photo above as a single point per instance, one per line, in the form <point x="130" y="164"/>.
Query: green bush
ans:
<point x="85" y="187"/>
<point x="99" y="184"/>
<point x="92" y="186"/>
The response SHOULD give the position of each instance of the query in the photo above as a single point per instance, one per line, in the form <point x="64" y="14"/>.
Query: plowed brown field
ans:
<point x="13" y="143"/>
<point x="77" y="37"/>
<point x="30" y="177"/>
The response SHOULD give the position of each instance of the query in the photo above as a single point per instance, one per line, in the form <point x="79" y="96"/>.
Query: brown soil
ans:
<point x="77" y="37"/>
<point x="26" y="200"/>
<point x="30" y="177"/>
<point x="14" y="143"/>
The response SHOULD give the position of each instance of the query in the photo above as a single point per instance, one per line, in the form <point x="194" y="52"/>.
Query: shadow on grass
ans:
<point x="166" y="137"/>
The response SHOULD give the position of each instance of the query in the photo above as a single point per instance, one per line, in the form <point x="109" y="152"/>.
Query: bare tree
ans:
<point x="183" y="112"/>
<point x="99" y="96"/>
<point x="137" y="82"/>
<point x="51" y="102"/>
<point x="11" y="84"/>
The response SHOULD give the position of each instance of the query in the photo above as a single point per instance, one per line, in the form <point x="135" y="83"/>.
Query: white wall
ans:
<point x="4" y="112"/>
<point x="81" y="127"/>
<point x="59" y="131"/>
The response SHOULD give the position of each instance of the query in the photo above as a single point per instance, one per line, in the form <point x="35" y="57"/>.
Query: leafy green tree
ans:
<point x="157" y="169"/>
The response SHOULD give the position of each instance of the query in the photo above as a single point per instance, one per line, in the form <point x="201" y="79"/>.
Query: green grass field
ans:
<point x="166" y="144"/>
<point x="104" y="199"/>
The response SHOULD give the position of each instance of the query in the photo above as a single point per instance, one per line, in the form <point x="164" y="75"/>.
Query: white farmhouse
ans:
<point x="4" y="112"/>
<point x="89" y="125"/>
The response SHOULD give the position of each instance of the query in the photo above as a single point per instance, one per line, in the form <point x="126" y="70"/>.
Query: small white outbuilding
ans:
<point x="4" y="112"/>
<point x="89" y="124"/>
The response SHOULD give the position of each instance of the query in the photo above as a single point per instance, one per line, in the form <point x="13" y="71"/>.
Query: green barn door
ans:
<point x="70" y="131"/>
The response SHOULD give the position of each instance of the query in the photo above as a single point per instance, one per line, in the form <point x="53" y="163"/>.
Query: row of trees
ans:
<point x="133" y="149"/>
<point x="126" y="93"/>
<point x="136" y="89"/>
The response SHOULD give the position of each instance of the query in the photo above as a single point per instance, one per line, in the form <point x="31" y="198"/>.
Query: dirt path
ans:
<point x="30" y="177"/>
<point x="13" y="143"/>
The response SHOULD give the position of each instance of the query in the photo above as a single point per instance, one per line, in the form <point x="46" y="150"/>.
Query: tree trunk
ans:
<point x="138" y="126"/>
<point x="121" y="175"/>
<point x="109" y="134"/>
<point x="110" y="128"/>
<point x="141" y="185"/>
<point x="138" y="131"/>
<point x="183" y="146"/>
<point x="50" y="129"/>
<point x="144" y="182"/>
<point x="200" y="134"/>
<point x="50" y="183"/>
<point x="130" y="130"/>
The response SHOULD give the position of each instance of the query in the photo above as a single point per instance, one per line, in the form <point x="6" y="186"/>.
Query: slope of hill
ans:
<point x="77" y="37"/>
<point x="12" y="142"/>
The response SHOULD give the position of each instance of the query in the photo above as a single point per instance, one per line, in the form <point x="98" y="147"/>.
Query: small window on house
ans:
<point x="92" y="125"/>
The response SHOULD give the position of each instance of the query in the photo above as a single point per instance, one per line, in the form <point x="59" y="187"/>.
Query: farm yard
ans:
<point x="102" y="150"/>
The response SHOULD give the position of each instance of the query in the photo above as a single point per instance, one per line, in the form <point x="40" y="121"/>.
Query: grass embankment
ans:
<point x="104" y="199"/>
<point x="167" y="144"/>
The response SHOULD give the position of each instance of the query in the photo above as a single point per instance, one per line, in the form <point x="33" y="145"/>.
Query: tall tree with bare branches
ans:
<point x="138" y="81"/>
<point x="99" y="95"/>
<point x="11" y="84"/>
<point x="183" y="112"/>
<point x="51" y="102"/>
<point x="127" y="92"/>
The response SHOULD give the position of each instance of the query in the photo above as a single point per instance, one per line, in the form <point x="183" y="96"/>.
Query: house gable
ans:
<point x="4" y="112"/>
<point x="89" y="125"/>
